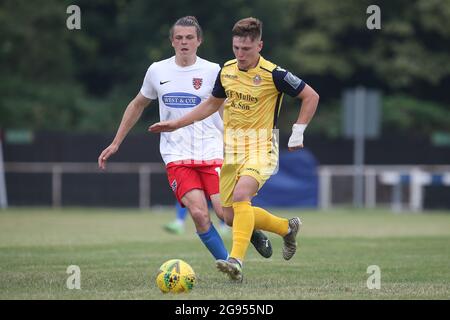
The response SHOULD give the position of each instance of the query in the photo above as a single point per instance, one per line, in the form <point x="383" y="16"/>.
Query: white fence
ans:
<point x="389" y="176"/>
<point x="416" y="177"/>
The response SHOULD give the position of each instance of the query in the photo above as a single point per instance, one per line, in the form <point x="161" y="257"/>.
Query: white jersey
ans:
<point x="179" y="90"/>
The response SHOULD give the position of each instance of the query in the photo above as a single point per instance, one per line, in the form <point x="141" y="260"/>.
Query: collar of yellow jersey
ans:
<point x="257" y="65"/>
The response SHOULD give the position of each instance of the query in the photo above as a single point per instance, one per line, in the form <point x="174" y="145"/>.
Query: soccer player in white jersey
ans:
<point x="193" y="155"/>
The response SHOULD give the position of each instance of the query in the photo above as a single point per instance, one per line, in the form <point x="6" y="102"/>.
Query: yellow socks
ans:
<point x="266" y="221"/>
<point x="243" y="224"/>
<point x="247" y="218"/>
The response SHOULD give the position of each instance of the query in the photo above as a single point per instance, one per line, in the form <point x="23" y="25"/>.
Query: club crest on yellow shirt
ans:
<point x="257" y="80"/>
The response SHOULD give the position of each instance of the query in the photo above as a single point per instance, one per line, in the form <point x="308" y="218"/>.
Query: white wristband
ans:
<point x="296" y="139"/>
<point x="299" y="127"/>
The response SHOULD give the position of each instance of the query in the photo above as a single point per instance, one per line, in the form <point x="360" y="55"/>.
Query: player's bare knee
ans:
<point x="240" y="195"/>
<point x="200" y="216"/>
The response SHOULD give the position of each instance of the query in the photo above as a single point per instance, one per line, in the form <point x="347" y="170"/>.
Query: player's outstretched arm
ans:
<point x="310" y="100"/>
<point x="202" y="111"/>
<point x="131" y="115"/>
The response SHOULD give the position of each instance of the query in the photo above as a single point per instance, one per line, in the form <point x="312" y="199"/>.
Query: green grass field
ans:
<point x="119" y="251"/>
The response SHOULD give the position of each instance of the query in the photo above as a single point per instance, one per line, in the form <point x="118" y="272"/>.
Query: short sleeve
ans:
<point x="287" y="82"/>
<point x="217" y="68"/>
<point x="147" y="89"/>
<point x="219" y="90"/>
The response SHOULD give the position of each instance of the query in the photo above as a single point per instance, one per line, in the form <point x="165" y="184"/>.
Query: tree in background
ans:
<point x="407" y="59"/>
<point x="54" y="78"/>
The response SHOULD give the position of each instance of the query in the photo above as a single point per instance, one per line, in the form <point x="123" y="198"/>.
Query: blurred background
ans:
<point x="380" y="137"/>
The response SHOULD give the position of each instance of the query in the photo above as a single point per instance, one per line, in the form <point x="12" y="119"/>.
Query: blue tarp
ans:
<point x="295" y="184"/>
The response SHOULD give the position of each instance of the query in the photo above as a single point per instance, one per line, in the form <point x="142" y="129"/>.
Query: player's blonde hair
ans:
<point x="248" y="27"/>
<point x="187" y="21"/>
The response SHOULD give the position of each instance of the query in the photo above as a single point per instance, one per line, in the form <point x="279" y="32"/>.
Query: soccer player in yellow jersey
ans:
<point x="252" y="89"/>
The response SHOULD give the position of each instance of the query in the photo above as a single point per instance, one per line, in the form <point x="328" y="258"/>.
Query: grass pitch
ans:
<point x="119" y="251"/>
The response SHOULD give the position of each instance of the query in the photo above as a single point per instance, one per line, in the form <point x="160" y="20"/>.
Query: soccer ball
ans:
<point x="175" y="276"/>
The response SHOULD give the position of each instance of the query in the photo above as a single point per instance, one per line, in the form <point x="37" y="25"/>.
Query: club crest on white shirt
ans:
<point x="197" y="83"/>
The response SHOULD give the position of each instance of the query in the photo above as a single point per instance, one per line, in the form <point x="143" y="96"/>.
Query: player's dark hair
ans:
<point x="248" y="27"/>
<point x="188" y="21"/>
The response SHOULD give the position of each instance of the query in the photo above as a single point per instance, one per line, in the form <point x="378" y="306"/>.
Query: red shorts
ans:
<point x="184" y="176"/>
